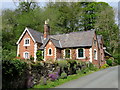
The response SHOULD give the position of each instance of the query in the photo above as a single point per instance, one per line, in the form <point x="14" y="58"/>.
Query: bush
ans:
<point x="103" y="67"/>
<point x="92" y="67"/>
<point x="62" y="63"/>
<point x="39" y="55"/>
<point x="109" y="62"/>
<point x="106" y="65"/>
<point x="53" y="76"/>
<point x="117" y="59"/>
<point x="85" y="70"/>
<point x="16" y="70"/>
<point x="63" y="75"/>
<point x="43" y="81"/>
<point x="78" y="71"/>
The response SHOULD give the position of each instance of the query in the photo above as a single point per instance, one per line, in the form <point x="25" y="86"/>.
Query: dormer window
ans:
<point x="27" y="42"/>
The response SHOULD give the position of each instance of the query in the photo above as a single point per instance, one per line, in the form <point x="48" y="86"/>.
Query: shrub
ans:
<point x="117" y="58"/>
<point x="72" y="62"/>
<point x="106" y="65"/>
<point x="78" y="71"/>
<point x="62" y="63"/>
<point x="103" y="67"/>
<point x="92" y="67"/>
<point x="39" y="55"/>
<point x="43" y="81"/>
<point x="85" y="70"/>
<point x="63" y="75"/>
<point x="109" y="62"/>
<point x="31" y="57"/>
<point x="53" y="76"/>
<point x="15" y="70"/>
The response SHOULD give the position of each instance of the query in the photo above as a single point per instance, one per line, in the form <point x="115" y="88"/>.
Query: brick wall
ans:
<point x="48" y="46"/>
<point x="95" y="47"/>
<point x="29" y="49"/>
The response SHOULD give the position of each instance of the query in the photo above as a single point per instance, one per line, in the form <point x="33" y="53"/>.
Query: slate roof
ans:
<point x="36" y="35"/>
<point x="75" y="39"/>
<point x="54" y="41"/>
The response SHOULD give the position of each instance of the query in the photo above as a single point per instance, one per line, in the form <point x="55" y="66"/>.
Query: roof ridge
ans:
<point x="34" y="30"/>
<point x="73" y="32"/>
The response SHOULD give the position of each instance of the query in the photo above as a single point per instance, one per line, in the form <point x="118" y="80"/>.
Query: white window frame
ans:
<point x="83" y="54"/>
<point x="28" y="55"/>
<point x="25" y="41"/>
<point x="95" y="57"/>
<point x="51" y="52"/>
<point x="65" y="54"/>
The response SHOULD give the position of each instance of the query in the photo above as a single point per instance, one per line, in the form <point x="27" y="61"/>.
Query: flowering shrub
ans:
<point x="53" y="76"/>
<point x="63" y="75"/>
<point x="43" y="81"/>
<point x="63" y="63"/>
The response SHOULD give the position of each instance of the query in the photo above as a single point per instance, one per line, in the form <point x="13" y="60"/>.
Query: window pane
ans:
<point x="94" y="54"/>
<point x="80" y="52"/>
<point x="50" y="51"/>
<point x="27" y="41"/>
<point x="26" y="55"/>
<point x="67" y="53"/>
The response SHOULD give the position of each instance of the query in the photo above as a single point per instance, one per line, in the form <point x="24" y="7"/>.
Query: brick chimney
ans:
<point x="46" y="30"/>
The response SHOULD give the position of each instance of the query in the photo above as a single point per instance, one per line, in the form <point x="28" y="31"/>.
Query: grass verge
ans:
<point x="52" y="84"/>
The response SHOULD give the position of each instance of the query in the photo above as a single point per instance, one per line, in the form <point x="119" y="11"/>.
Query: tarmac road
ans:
<point x="107" y="78"/>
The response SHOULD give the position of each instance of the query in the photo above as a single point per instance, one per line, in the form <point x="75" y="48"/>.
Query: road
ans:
<point x="107" y="78"/>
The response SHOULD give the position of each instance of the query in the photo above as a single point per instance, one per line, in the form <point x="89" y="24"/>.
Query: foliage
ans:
<point x="109" y="62"/>
<point x="106" y="65"/>
<point x="43" y="81"/>
<point x="85" y="70"/>
<point x="13" y="68"/>
<point x="31" y="57"/>
<point x="39" y="55"/>
<point x="103" y="66"/>
<point x="63" y="63"/>
<point x="16" y="70"/>
<point x="53" y="76"/>
<point x="92" y="67"/>
<point x="63" y="75"/>
<point x="117" y="59"/>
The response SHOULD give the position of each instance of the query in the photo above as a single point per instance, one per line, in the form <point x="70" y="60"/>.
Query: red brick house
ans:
<point x="82" y="45"/>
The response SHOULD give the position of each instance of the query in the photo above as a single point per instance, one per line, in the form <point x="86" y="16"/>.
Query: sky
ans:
<point x="9" y="4"/>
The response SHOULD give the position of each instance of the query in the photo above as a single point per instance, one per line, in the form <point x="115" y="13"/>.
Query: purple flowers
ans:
<point x="53" y="76"/>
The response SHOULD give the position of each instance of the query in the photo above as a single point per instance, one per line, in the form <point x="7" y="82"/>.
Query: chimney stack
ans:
<point x="46" y="29"/>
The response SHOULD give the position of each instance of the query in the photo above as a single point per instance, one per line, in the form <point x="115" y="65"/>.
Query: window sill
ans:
<point x="49" y="55"/>
<point x="27" y="45"/>
<point x="81" y="58"/>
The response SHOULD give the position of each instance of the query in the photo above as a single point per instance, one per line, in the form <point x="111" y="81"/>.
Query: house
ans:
<point x="82" y="45"/>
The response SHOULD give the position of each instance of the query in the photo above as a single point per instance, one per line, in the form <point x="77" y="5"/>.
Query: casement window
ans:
<point x="67" y="53"/>
<point x="50" y="52"/>
<point x="27" y="42"/>
<point x="80" y="53"/>
<point x="26" y="55"/>
<point x="95" y="54"/>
